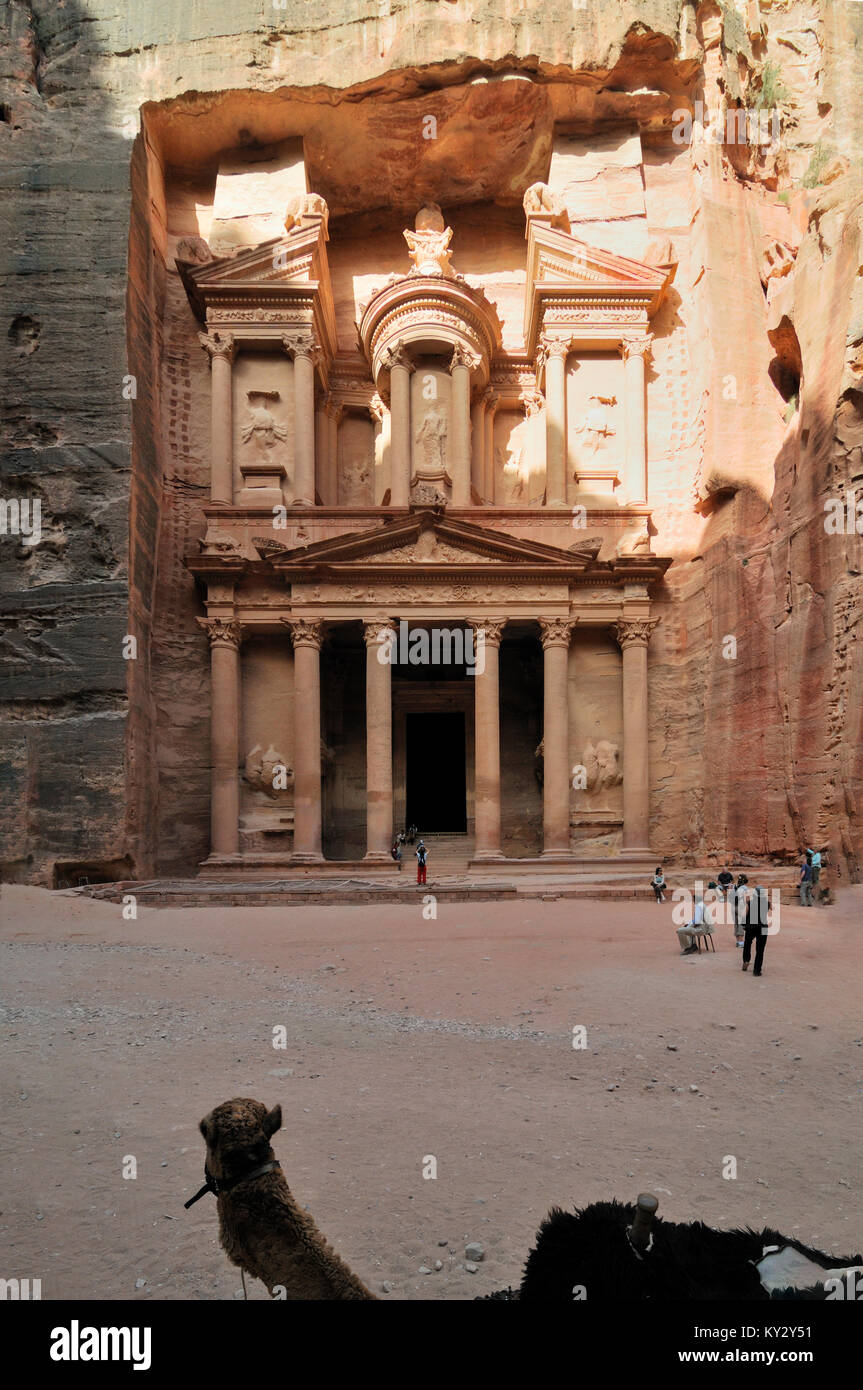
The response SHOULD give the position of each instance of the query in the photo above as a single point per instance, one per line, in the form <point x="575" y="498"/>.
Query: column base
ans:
<point x="378" y="856"/>
<point x="302" y="502"/>
<point x="306" y="858"/>
<point x="556" y="854"/>
<point x="486" y="856"/>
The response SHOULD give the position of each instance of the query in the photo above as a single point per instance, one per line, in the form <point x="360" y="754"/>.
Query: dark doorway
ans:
<point x="436" y="789"/>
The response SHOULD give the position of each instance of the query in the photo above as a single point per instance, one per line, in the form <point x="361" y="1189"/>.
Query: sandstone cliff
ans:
<point x="758" y="754"/>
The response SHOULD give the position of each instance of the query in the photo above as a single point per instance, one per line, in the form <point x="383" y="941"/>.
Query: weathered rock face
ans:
<point x="755" y="401"/>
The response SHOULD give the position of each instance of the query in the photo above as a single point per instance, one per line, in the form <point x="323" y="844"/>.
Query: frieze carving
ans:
<point x="533" y="401"/>
<point x="256" y="316"/>
<point x="634" y="632"/>
<point x="601" y="762"/>
<point x="222" y="632"/>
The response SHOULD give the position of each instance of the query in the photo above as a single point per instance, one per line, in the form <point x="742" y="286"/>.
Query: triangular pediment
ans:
<point x="427" y="541"/>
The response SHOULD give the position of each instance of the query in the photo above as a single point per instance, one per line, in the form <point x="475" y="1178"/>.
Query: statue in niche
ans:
<point x="261" y="425"/>
<point x="510" y="468"/>
<point x="602" y="764"/>
<point x="428" y="243"/>
<point x="595" y="427"/>
<point x="268" y="772"/>
<point x="431" y="437"/>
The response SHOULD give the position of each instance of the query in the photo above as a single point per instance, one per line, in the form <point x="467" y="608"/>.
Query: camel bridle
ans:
<point x="219" y="1186"/>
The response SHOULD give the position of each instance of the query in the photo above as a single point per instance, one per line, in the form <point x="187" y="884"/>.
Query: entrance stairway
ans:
<point x="448" y="855"/>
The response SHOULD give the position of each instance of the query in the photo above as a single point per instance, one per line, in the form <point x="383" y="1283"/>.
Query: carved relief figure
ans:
<point x="261" y="425"/>
<point x="602" y="763"/>
<point x="596" y="427"/>
<point x="431" y="437"/>
<point x="268" y="772"/>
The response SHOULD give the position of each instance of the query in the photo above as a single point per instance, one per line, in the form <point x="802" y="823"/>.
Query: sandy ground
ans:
<point x="408" y="1038"/>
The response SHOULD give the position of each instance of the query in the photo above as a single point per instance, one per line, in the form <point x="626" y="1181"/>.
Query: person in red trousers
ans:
<point x="422" y="856"/>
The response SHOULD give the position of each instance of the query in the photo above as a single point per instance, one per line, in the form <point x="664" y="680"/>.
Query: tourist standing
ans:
<point x="739" y="899"/>
<point x="422" y="858"/>
<point x="658" y="884"/>
<point x="757" y="912"/>
<point x="806" y="881"/>
<point x="816" y="872"/>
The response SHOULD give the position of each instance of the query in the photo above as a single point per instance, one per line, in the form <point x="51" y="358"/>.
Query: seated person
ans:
<point x="701" y="923"/>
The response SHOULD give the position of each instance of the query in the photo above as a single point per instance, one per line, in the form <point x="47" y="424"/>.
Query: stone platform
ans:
<point x="613" y="881"/>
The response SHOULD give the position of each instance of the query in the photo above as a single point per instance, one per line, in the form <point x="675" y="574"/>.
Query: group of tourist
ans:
<point x="810" y="878"/>
<point x="409" y="836"/>
<point x="746" y="908"/>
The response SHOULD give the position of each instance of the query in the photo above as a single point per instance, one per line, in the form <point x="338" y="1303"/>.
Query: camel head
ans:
<point x="237" y="1134"/>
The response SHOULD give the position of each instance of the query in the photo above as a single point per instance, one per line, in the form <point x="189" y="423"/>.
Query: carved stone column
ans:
<point x="322" y="453"/>
<point x="554" y="354"/>
<point x="634" y="349"/>
<point x="633" y="637"/>
<point x="477" y="446"/>
<point x="487" y="636"/>
<point x="224" y="734"/>
<point x="491" y="403"/>
<point x="335" y="414"/>
<point x="379" y="742"/>
<point x="304" y="351"/>
<point x="400" y="368"/>
<point x="221" y="349"/>
<point x="307" y="638"/>
<point x="556" y="633"/>
<point x="460" y="367"/>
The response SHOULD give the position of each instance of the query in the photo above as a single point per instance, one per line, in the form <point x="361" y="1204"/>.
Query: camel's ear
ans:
<point x="205" y="1129"/>
<point x="273" y="1121"/>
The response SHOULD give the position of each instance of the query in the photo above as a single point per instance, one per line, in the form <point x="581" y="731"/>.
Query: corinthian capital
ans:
<point x="461" y="357"/>
<point x="378" y="631"/>
<point x="556" y="632"/>
<point x="218" y="344"/>
<point x="305" y="633"/>
<point x="302" y="345"/>
<point x="552" y="347"/>
<point x="396" y="356"/>
<point x="489" y="629"/>
<point x="636" y="345"/>
<point x="222" y="632"/>
<point x="634" y="632"/>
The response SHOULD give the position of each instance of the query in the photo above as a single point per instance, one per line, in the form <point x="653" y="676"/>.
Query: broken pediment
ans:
<point x="286" y="279"/>
<point x="571" y="284"/>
